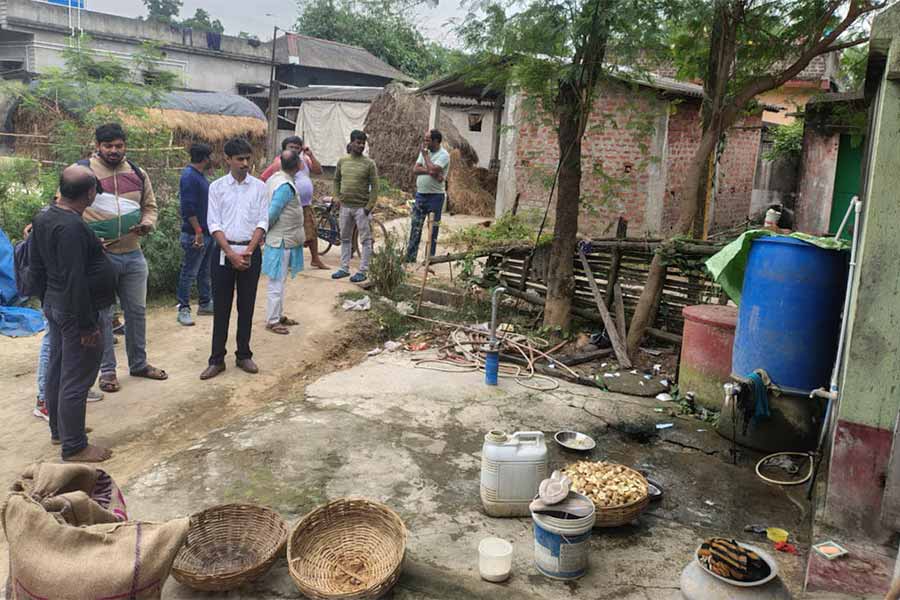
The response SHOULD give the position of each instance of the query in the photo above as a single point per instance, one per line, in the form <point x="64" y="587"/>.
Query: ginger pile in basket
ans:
<point x="607" y="484"/>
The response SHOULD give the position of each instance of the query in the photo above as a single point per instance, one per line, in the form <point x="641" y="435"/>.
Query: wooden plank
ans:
<point x="619" y="305"/>
<point x="616" y="260"/>
<point x="611" y="331"/>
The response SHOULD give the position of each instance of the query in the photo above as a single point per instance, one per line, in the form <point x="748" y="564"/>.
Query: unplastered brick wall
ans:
<point x="737" y="169"/>
<point x="622" y="154"/>
<point x="615" y="157"/>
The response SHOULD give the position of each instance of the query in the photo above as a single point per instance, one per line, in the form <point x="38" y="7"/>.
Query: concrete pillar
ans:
<point x="434" y="115"/>
<point x="658" y="171"/>
<point x="508" y="142"/>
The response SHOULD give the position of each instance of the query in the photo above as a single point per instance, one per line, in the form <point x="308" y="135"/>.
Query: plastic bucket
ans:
<point x="562" y="546"/>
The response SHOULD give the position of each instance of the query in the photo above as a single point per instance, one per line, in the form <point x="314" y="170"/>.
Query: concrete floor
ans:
<point x="412" y="438"/>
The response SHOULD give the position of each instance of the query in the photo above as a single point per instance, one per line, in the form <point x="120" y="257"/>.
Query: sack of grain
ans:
<point x="77" y="494"/>
<point x="52" y="559"/>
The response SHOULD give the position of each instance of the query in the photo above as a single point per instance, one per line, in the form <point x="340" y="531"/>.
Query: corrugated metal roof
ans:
<point x="307" y="51"/>
<point x="322" y="92"/>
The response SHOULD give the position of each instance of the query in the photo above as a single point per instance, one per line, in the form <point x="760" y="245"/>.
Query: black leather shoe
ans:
<point x="211" y="371"/>
<point x="246" y="364"/>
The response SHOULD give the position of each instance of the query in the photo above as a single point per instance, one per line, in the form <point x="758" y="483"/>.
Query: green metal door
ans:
<point x="846" y="182"/>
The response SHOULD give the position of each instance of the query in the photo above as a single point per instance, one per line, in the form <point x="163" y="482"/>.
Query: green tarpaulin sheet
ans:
<point x="728" y="265"/>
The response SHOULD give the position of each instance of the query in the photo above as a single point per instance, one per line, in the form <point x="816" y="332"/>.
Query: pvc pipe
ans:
<point x="494" y="302"/>
<point x="850" y="207"/>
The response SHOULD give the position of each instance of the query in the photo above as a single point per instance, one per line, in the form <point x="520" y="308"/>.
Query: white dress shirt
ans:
<point x="236" y="208"/>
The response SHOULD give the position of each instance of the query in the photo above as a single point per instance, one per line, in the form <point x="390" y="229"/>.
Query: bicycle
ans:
<point x="329" y="230"/>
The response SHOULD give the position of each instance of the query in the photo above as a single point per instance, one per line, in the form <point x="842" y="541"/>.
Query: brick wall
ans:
<point x="624" y="139"/>
<point x="816" y="187"/>
<point x="737" y="170"/>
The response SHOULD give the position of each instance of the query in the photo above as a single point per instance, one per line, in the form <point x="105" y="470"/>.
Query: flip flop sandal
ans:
<point x="151" y="373"/>
<point x="278" y="328"/>
<point x="109" y="384"/>
<point x="288" y="321"/>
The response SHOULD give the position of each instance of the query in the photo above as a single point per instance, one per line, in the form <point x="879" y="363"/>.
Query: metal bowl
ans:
<point x="773" y="567"/>
<point x="573" y="440"/>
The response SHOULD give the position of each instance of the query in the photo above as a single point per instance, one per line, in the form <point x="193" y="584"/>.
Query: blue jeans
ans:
<point x="195" y="266"/>
<point x="43" y="363"/>
<point x="131" y="288"/>
<point x="425" y="203"/>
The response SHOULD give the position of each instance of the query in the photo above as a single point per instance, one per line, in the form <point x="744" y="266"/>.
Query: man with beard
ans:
<point x="124" y="212"/>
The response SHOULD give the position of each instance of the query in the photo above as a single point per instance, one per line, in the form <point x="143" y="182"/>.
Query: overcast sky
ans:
<point x="251" y="16"/>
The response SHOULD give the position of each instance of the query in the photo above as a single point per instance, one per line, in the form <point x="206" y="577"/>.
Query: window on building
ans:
<point x="475" y="120"/>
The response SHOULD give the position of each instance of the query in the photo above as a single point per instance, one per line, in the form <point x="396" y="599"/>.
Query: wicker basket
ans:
<point x="616" y="516"/>
<point x="349" y="549"/>
<point x="228" y="546"/>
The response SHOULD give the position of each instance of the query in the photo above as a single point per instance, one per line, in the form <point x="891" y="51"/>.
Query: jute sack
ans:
<point x="52" y="560"/>
<point x="79" y="494"/>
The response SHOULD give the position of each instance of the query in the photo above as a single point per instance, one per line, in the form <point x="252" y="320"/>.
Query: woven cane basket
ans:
<point x="348" y="549"/>
<point x="616" y="516"/>
<point x="228" y="546"/>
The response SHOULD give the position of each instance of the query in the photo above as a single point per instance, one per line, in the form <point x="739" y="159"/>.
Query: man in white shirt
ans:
<point x="238" y="219"/>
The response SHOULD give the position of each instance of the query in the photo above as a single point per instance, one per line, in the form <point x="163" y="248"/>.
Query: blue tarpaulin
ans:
<point x="15" y="321"/>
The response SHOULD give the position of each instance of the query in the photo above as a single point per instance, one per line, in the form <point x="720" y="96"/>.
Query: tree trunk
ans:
<point x="560" y="276"/>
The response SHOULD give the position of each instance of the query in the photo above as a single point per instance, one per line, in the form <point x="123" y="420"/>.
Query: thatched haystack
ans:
<point x="36" y="128"/>
<point x="395" y="124"/>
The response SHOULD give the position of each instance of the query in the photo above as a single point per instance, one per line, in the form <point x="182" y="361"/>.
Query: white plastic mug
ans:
<point x="494" y="559"/>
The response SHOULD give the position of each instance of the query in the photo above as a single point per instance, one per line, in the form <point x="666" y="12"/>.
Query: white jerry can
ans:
<point x="512" y="468"/>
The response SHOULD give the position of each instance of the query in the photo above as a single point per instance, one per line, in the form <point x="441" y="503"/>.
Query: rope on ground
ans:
<point x="465" y="350"/>
<point x="777" y="454"/>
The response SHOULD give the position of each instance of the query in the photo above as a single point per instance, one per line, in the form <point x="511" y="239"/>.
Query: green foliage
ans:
<point x="162" y="249"/>
<point x="386" y="269"/>
<point x="769" y="35"/>
<point x="162" y="11"/>
<point x="201" y="22"/>
<point x="508" y="230"/>
<point x="853" y="66"/>
<point x="383" y="27"/>
<point x="787" y="142"/>
<point x="25" y="189"/>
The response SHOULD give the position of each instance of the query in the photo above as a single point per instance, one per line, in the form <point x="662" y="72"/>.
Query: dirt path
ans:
<point x="149" y="419"/>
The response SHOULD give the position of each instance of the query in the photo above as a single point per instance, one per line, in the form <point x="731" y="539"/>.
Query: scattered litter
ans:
<point x="784" y="462"/>
<point x="641" y="382"/>
<point x="709" y="503"/>
<point x="659" y="410"/>
<point x="776" y="534"/>
<point x="664" y="383"/>
<point x="405" y="308"/>
<point x="419" y="347"/>
<point x="786" y="547"/>
<point x="657" y="369"/>
<point x="757" y="529"/>
<point x="392" y="346"/>
<point x="830" y="550"/>
<point x="359" y="305"/>
<point x="700" y="430"/>
<point x="551" y="365"/>
<point x="665" y="425"/>
<point x="664" y="397"/>
<point x="618" y="374"/>
<point x="648" y="377"/>
<point x="603" y="365"/>
<point x="374" y="352"/>
<point x="609" y="375"/>
<point x="633" y="372"/>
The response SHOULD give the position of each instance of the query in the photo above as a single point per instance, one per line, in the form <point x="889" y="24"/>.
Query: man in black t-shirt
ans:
<point x="75" y="280"/>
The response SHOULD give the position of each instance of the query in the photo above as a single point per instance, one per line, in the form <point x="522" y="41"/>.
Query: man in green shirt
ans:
<point x="356" y="189"/>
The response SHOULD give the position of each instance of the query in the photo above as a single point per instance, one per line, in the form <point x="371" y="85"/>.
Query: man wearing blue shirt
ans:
<point x="198" y="245"/>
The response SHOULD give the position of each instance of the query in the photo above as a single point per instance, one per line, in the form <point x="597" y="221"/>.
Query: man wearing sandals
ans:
<point x="120" y="215"/>
<point x="284" y="240"/>
<point x="356" y="188"/>
<point x="238" y="218"/>
<point x="76" y="281"/>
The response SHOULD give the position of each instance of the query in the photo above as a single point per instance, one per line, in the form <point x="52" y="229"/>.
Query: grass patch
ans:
<point x="508" y="230"/>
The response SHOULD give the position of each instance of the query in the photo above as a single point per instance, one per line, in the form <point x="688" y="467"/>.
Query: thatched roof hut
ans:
<point x="395" y="125"/>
